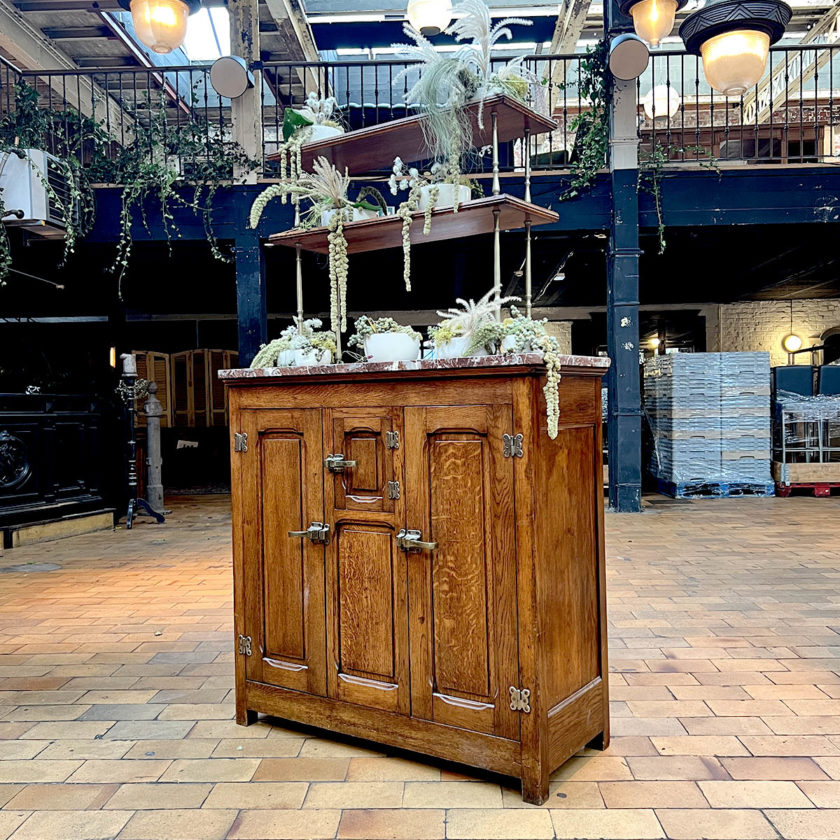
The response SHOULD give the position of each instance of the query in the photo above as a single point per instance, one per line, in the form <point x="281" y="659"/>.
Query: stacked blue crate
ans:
<point x="710" y="418"/>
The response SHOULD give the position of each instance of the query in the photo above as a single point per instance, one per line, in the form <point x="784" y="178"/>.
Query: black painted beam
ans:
<point x="60" y="33"/>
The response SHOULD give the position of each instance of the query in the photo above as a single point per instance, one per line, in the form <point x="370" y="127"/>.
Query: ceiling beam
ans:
<point x="571" y="19"/>
<point x="30" y="50"/>
<point x="291" y="21"/>
<point x="60" y="33"/>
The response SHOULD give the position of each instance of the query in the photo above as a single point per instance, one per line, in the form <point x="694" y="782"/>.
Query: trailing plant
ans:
<point x="590" y="126"/>
<point x="326" y="188"/>
<point x="304" y="337"/>
<point x="651" y="168"/>
<point x="366" y="327"/>
<point x="522" y="334"/>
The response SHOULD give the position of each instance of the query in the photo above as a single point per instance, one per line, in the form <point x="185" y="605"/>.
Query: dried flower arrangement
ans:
<point x="305" y="338"/>
<point x="472" y="323"/>
<point x="326" y="188"/>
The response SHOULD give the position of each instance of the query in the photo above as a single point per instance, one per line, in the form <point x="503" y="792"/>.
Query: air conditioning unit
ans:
<point x="24" y="181"/>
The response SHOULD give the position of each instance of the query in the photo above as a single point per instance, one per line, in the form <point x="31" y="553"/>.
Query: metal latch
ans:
<point x="393" y="489"/>
<point x="513" y="446"/>
<point x="240" y="441"/>
<point x="337" y="464"/>
<point x="410" y="541"/>
<point x="392" y="440"/>
<point x="317" y="532"/>
<point x="520" y="699"/>
<point x="244" y="645"/>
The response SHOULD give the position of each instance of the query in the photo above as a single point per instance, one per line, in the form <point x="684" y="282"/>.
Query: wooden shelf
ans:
<point x="374" y="149"/>
<point x="473" y="218"/>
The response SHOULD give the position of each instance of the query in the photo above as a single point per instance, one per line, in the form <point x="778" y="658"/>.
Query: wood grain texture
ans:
<point x="473" y="218"/>
<point x="363" y="151"/>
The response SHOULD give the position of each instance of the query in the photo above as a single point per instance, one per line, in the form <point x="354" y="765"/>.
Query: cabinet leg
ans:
<point x="246" y="717"/>
<point x="600" y="742"/>
<point x="535" y="788"/>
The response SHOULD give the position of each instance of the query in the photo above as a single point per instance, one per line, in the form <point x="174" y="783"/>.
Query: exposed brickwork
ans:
<point x="116" y="674"/>
<point x="762" y="325"/>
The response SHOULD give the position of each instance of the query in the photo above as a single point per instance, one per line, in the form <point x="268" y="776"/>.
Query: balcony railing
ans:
<point x="791" y="116"/>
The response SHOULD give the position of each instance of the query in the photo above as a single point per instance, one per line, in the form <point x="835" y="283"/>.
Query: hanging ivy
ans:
<point x="159" y="160"/>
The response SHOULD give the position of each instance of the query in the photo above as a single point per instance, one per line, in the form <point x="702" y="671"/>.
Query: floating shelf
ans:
<point x="366" y="149"/>
<point x="473" y="218"/>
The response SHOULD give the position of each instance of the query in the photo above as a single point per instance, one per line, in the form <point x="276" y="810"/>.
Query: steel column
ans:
<point x="250" y="295"/>
<point x="624" y="417"/>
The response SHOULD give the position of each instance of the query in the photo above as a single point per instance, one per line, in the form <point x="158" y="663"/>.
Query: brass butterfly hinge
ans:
<point x="393" y="489"/>
<point x="244" y="645"/>
<point x="520" y="699"/>
<point x="240" y="441"/>
<point x="392" y="440"/>
<point x="513" y="446"/>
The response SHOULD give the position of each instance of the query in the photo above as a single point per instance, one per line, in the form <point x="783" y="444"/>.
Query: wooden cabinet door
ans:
<point x="367" y="647"/>
<point x="462" y="594"/>
<point x="281" y="489"/>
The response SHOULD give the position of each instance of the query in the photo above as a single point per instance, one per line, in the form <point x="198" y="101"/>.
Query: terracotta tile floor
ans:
<point x="116" y="675"/>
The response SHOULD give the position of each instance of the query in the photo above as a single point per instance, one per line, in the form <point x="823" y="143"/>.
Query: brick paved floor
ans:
<point x="116" y="677"/>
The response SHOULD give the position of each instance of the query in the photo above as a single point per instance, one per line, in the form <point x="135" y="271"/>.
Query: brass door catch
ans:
<point x="410" y="541"/>
<point x="337" y="464"/>
<point x="317" y="532"/>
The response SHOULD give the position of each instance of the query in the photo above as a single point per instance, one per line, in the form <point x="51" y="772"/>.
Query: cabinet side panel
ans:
<point x="568" y="549"/>
<point x="366" y="585"/>
<point x="459" y="599"/>
<point x="283" y="555"/>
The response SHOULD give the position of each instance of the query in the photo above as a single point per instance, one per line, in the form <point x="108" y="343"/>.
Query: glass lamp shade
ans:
<point x="429" y="17"/>
<point x="653" y="20"/>
<point x="734" y="61"/>
<point x="792" y="343"/>
<point x="662" y="101"/>
<point x="160" y="24"/>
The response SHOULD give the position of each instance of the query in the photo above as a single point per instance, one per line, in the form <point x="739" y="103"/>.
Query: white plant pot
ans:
<point x="285" y="358"/>
<point x="323" y="132"/>
<point x="392" y="347"/>
<point x="357" y="216"/>
<point x="446" y="196"/>
<point x="456" y="348"/>
<point x="308" y="358"/>
<point x="508" y="344"/>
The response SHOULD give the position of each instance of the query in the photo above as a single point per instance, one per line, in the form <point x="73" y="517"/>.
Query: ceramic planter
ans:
<point x="323" y="132"/>
<point x="457" y="348"/>
<point x="308" y="358"/>
<point x="285" y="358"/>
<point x="446" y="196"/>
<point x="392" y="347"/>
<point x="357" y="215"/>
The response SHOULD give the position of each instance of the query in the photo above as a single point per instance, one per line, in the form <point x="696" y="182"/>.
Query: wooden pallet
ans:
<point x="820" y="489"/>
<point x="713" y="489"/>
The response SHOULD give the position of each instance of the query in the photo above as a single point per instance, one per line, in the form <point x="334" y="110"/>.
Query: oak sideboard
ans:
<point x="417" y="563"/>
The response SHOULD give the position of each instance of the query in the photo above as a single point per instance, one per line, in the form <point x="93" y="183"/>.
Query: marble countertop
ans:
<point x="511" y="360"/>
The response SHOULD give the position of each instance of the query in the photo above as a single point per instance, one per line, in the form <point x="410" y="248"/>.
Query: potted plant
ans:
<point x="521" y="334"/>
<point x="315" y="120"/>
<point x="298" y="346"/>
<point x="472" y="330"/>
<point x="326" y="189"/>
<point x="384" y="340"/>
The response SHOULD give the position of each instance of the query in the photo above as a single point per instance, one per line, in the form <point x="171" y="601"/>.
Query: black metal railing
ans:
<point x="791" y="116"/>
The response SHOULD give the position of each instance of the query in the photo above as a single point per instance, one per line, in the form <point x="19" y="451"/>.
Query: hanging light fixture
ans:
<point x="734" y="38"/>
<point x="429" y="17"/>
<point x="161" y="24"/>
<point x="661" y="101"/>
<point x="653" y="20"/>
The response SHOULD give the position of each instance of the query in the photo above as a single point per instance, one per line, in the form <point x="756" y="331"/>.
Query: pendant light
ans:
<point x="429" y="17"/>
<point x="663" y="101"/>
<point x="653" y="20"/>
<point x="161" y="24"/>
<point x="734" y="38"/>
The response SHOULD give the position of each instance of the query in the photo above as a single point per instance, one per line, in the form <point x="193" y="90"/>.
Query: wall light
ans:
<point x="734" y="38"/>
<point x="655" y="342"/>
<point x="628" y="57"/>
<point x="792" y="343"/>
<point x="112" y="357"/>
<point x="161" y="24"/>
<point x="429" y="17"/>
<point x="653" y="20"/>
<point x="230" y="76"/>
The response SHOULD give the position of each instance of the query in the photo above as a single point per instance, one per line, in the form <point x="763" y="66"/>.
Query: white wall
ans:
<point x="762" y="325"/>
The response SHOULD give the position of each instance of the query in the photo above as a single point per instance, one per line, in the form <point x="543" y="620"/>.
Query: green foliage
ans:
<point x="156" y="161"/>
<point x="292" y="121"/>
<point x="366" y="327"/>
<point x="591" y="126"/>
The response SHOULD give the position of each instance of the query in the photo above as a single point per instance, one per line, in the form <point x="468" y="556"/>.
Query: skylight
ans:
<point x="208" y="35"/>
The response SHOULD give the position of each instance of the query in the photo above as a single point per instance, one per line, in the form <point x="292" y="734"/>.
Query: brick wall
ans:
<point x="761" y="325"/>
<point x="562" y="331"/>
